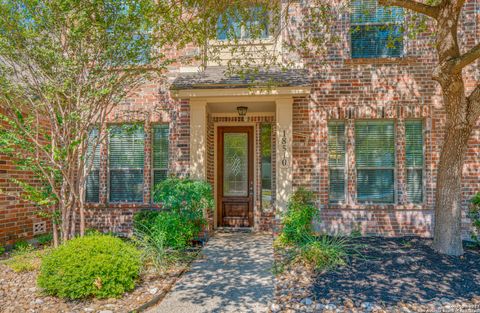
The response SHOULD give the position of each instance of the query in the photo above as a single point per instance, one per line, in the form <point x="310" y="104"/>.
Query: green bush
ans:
<point x="325" y="252"/>
<point x="164" y="235"/>
<point x="298" y="241"/>
<point x="97" y="265"/>
<point x="45" y="239"/>
<point x="22" y="246"/>
<point x="145" y="219"/>
<point x="2" y="250"/>
<point x="183" y="194"/>
<point x="474" y="215"/>
<point x="297" y="220"/>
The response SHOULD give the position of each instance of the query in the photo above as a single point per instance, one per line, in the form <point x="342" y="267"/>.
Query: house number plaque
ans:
<point x="283" y="147"/>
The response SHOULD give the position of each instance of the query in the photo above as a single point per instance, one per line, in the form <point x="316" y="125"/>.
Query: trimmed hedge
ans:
<point x="99" y="265"/>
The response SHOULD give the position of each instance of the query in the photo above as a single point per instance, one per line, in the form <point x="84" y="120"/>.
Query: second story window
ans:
<point x="251" y="24"/>
<point x="376" y="31"/>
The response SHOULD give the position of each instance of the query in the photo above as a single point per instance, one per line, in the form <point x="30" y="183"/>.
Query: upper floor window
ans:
<point x="249" y="25"/>
<point x="376" y="31"/>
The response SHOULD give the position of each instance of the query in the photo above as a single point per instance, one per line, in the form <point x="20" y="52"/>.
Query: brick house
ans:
<point x="363" y="131"/>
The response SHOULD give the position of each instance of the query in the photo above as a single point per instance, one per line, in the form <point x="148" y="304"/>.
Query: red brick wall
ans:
<point x="343" y="88"/>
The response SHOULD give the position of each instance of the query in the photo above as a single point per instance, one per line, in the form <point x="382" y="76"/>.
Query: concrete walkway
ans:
<point x="233" y="274"/>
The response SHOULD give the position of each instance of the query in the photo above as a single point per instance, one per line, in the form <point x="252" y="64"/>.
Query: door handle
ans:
<point x="250" y="189"/>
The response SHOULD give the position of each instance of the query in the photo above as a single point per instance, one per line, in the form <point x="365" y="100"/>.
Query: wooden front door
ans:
<point x="235" y="177"/>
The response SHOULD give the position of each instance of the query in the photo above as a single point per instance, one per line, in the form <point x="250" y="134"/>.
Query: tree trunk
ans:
<point x="55" y="232"/>
<point x="448" y="208"/>
<point x="448" y="198"/>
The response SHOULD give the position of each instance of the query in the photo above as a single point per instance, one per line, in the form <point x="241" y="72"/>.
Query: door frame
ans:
<point x="216" y="155"/>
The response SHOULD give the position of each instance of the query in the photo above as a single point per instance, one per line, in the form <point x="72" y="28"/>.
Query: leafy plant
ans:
<point x="2" y="250"/>
<point x="325" y="252"/>
<point x="297" y="221"/>
<point x="163" y="236"/>
<point x="145" y="219"/>
<point x="297" y="241"/>
<point x="22" y="246"/>
<point x="474" y="215"/>
<point x="45" y="239"/>
<point x="183" y="194"/>
<point x="97" y="265"/>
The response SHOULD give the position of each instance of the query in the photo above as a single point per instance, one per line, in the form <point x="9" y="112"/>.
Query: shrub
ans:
<point x="183" y="194"/>
<point x="474" y="215"/>
<point x="325" y="252"/>
<point x="297" y="221"/>
<point x="97" y="265"/>
<point x="22" y="246"/>
<point x="298" y="240"/>
<point x="45" y="239"/>
<point x="164" y="235"/>
<point x="2" y="250"/>
<point x="144" y="219"/>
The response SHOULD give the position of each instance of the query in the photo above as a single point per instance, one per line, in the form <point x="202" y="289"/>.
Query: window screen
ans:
<point x="336" y="161"/>
<point x="376" y="31"/>
<point x="160" y="153"/>
<point x="126" y="163"/>
<point x="375" y="161"/>
<point x="414" y="160"/>
<point x="266" y="146"/>
<point x="92" y="190"/>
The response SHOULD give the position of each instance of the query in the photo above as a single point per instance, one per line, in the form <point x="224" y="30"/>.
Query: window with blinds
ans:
<point x="336" y="161"/>
<point x="126" y="163"/>
<point x="414" y="160"/>
<point x="376" y="31"/>
<point x="266" y="167"/>
<point x="375" y="161"/>
<point x="92" y="163"/>
<point x="160" y="153"/>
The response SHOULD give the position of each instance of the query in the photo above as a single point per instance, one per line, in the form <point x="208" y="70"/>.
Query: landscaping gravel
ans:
<point x="19" y="293"/>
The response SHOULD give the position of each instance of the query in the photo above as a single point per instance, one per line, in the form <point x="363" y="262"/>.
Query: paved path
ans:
<point x="234" y="274"/>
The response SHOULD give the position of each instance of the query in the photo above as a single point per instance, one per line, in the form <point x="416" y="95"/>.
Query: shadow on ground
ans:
<point x="407" y="269"/>
<point x="233" y="275"/>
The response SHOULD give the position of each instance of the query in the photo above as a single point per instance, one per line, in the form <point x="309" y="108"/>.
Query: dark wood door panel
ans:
<point x="235" y="176"/>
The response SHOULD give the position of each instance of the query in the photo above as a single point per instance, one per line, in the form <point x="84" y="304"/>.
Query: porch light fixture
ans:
<point x="242" y="111"/>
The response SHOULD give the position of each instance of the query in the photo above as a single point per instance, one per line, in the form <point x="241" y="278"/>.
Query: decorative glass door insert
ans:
<point x="235" y="174"/>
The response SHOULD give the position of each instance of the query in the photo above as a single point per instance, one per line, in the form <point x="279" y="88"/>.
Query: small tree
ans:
<point x="64" y="65"/>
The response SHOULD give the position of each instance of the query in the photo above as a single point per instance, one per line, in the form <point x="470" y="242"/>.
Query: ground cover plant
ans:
<point x="102" y="266"/>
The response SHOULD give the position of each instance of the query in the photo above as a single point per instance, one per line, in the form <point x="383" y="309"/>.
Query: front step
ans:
<point x="234" y="229"/>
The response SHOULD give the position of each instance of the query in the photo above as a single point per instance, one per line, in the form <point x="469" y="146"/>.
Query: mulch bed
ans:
<point x="392" y="270"/>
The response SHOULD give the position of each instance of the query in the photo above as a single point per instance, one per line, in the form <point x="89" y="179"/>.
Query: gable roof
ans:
<point x="217" y="77"/>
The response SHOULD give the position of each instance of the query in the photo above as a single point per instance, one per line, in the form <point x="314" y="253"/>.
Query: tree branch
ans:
<point x="416" y="6"/>
<point x="467" y="58"/>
